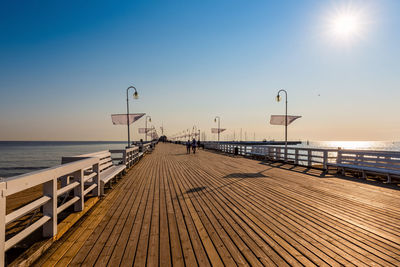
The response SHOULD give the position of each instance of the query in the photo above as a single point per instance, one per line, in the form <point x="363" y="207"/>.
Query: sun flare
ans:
<point x="347" y="23"/>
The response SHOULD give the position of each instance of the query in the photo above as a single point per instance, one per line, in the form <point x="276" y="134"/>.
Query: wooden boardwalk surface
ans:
<point x="211" y="209"/>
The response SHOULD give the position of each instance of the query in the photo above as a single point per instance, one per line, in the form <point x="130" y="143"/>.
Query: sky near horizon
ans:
<point x="65" y="67"/>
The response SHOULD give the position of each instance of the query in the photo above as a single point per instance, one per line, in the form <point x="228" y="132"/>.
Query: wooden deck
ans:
<point x="211" y="209"/>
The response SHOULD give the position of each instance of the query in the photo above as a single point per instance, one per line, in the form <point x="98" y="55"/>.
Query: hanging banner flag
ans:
<point x="280" y="119"/>
<point x="215" y="130"/>
<point x="121" y="119"/>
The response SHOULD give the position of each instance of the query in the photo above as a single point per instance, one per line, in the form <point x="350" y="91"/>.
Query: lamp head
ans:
<point x="135" y="95"/>
<point x="278" y="98"/>
<point x="150" y="119"/>
<point x="215" y="119"/>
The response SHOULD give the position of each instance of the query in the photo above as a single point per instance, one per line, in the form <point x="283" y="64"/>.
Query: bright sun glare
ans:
<point x="347" y="23"/>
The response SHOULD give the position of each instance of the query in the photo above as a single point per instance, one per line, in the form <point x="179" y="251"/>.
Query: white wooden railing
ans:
<point x="57" y="183"/>
<point x="50" y="180"/>
<point x="148" y="147"/>
<point x="128" y="157"/>
<point x="310" y="157"/>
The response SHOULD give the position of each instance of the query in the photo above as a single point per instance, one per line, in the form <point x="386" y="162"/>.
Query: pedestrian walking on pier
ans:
<point x="194" y="146"/>
<point x="188" y="147"/>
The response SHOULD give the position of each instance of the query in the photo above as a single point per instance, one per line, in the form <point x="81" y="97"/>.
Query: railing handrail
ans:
<point x="22" y="182"/>
<point x="94" y="154"/>
<point x="130" y="149"/>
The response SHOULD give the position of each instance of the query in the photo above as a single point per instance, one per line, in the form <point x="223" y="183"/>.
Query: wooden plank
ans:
<point x="164" y="248"/>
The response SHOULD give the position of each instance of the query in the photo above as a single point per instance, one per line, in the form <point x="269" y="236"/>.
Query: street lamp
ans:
<point x="215" y="120"/>
<point x="135" y="96"/>
<point x="278" y="98"/>
<point x="149" y="119"/>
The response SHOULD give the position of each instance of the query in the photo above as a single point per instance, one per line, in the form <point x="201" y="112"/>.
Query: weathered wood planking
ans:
<point x="210" y="209"/>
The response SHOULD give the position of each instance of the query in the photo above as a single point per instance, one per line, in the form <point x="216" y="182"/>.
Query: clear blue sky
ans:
<point x="64" y="67"/>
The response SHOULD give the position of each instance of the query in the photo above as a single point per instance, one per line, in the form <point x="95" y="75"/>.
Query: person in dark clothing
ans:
<point x="198" y="144"/>
<point x="188" y="147"/>
<point x="194" y="146"/>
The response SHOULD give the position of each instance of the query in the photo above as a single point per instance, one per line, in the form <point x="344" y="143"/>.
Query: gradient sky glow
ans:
<point x="64" y="68"/>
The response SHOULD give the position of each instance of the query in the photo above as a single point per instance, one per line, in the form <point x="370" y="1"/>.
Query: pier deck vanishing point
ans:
<point x="212" y="209"/>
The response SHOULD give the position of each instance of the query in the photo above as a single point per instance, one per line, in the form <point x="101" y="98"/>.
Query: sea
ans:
<point x="19" y="157"/>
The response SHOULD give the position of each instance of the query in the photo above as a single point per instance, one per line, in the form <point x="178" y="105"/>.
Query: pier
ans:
<point x="215" y="209"/>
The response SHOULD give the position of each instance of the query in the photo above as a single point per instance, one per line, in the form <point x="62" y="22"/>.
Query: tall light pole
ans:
<point x="135" y="96"/>
<point x="148" y="118"/>
<point x="278" y="98"/>
<point x="219" y="120"/>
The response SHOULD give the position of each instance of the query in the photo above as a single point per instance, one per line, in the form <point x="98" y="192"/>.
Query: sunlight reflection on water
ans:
<point x="372" y="145"/>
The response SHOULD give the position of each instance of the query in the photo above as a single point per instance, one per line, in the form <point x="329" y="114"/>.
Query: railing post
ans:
<point x="96" y="179"/>
<point x="339" y="156"/>
<point x="296" y="156"/>
<point x="309" y="157"/>
<point x="325" y="160"/>
<point x="64" y="180"/>
<point x="78" y="191"/>
<point x="278" y="154"/>
<point x="50" y="208"/>
<point x="124" y="161"/>
<point x="286" y="152"/>
<point x="2" y="223"/>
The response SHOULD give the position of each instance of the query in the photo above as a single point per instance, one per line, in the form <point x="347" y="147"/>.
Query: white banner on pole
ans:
<point x="215" y="130"/>
<point x="280" y="119"/>
<point x="121" y="119"/>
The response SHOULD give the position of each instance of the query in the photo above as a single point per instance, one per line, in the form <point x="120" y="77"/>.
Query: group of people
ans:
<point x="192" y="145"/>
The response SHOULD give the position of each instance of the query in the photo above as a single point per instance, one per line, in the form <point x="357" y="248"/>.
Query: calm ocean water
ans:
<point x="18" y="157"/>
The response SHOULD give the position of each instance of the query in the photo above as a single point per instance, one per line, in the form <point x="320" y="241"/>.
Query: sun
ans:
<point x="347" y="23"/>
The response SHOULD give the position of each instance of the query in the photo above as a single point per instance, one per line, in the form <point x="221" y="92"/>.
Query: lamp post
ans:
<point x="215" y="120"/>
<point x="135" y="96"/>
<point x="149" y="119"/>
<point x="278" y="98"/>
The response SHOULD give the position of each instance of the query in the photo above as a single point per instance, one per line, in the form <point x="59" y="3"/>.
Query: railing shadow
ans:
<point x="246" y="175"/>
<point x="196" y="189"/>
<point x="319" y="173"/>
<point x="239" y="177"/>
<point x="296" y="168"/>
